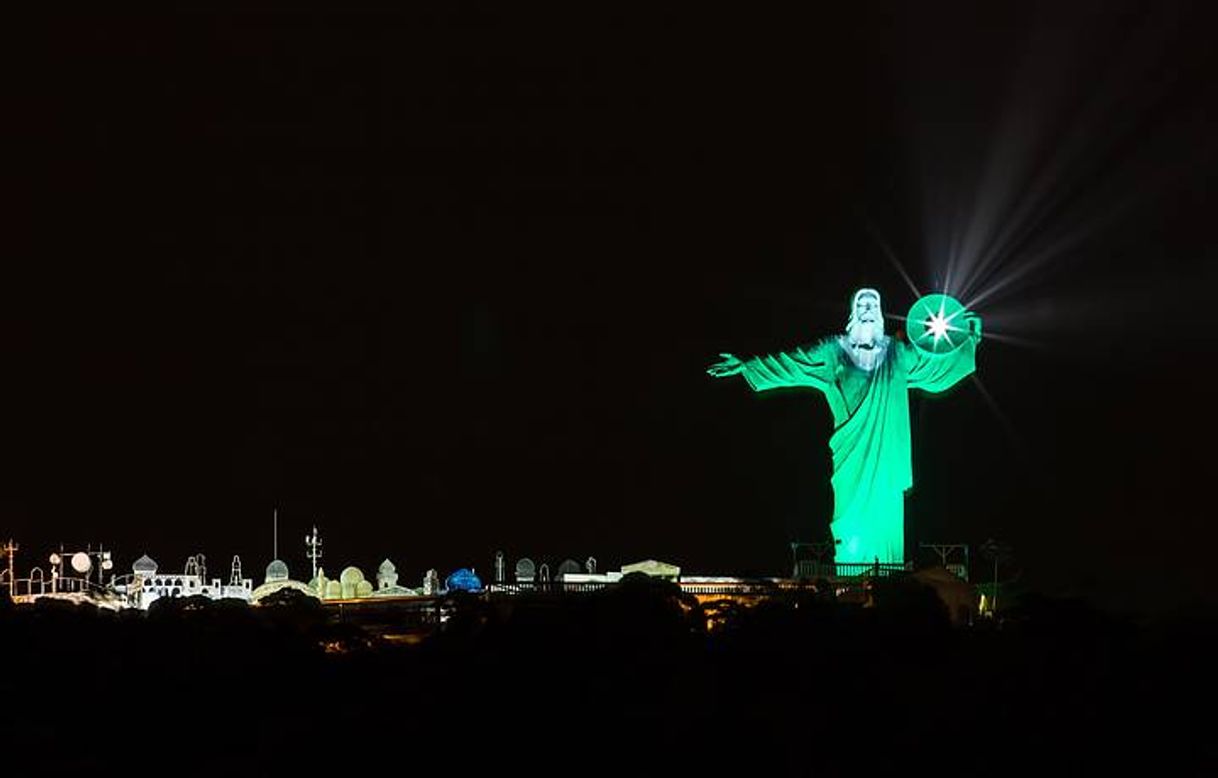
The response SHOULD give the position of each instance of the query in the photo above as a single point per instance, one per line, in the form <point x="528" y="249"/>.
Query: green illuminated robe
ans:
<point x="870" y="443"/>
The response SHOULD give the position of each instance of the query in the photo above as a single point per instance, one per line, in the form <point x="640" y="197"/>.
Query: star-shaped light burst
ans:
<point x="937" y="324"/>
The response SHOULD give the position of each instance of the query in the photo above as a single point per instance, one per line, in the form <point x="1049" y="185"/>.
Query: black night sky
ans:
<point x="445" y="280"/>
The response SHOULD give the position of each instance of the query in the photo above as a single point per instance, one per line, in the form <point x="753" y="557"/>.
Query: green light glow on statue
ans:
<point x="866" y="376"/>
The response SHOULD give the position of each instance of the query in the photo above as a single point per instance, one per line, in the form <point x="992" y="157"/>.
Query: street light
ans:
<point x="54" y="559"/>
<point x="996" y="552"/>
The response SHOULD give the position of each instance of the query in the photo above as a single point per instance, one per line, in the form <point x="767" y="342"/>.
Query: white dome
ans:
<point x="144" y="566"/>
<point x="276" y="571"/>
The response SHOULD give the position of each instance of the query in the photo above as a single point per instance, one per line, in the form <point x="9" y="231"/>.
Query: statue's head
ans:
<point x="866" y="323"/>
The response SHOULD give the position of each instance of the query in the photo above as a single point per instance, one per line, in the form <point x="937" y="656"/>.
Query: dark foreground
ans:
<point x="626" y="681"/>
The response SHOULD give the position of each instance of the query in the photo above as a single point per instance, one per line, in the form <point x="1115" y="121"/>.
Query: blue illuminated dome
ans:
<point x="463" y="580"/>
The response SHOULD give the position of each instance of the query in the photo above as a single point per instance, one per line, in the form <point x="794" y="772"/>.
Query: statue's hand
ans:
<point x="974" y="325"/>
<point x="730" y="365"/>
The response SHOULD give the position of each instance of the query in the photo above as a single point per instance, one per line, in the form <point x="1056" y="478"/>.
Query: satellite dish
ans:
<point x="81" y="562"/>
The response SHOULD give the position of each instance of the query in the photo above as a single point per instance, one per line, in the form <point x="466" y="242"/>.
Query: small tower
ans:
<point x="386" y="576"/>
<point x="192" y="567"/>
<point x="10" y="553"/>
<point x="431" y="583"/>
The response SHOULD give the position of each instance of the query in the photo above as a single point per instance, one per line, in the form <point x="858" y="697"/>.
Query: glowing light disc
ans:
<point x="936" y="325"/>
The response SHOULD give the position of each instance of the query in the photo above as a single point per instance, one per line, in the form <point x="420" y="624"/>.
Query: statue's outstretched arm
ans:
<point x="796" y="368"/>
<point x="728" y="365"/>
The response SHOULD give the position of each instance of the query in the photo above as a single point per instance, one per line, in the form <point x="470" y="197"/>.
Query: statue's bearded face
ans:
<point x="866" y="325"/>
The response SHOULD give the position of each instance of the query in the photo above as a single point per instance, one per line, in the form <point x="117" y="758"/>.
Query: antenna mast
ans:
<point x="313" y="543"/>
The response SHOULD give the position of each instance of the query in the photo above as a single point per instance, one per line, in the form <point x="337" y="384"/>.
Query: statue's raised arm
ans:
<point x="944" y="336"/>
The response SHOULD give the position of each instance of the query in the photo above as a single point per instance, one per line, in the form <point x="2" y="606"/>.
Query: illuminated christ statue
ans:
<point x="866" y="377"/>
